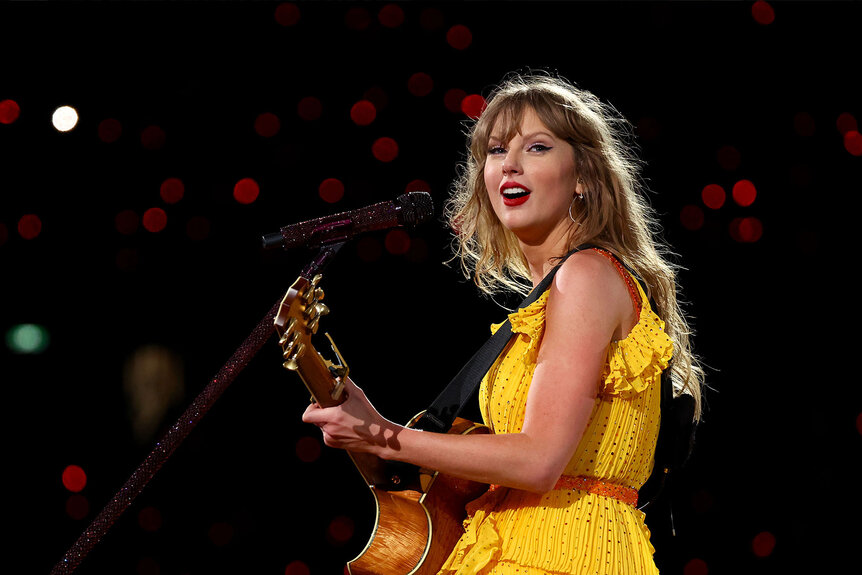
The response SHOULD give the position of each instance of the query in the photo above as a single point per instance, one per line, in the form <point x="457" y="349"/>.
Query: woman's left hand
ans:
<point x="354" y="425"/>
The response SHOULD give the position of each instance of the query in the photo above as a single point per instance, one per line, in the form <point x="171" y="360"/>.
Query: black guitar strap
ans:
<point x="443" y="411"/>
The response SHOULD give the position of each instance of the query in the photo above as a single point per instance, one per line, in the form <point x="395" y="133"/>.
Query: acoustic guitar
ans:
<point x="419" y="512"/>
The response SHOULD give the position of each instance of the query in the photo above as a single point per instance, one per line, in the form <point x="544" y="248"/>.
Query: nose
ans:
<point x="512" y="162"/>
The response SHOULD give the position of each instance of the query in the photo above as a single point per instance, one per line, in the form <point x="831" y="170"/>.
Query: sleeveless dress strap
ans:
<point x="627" y="277"/>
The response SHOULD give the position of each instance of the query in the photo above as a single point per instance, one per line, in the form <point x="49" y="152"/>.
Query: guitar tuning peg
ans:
<point x="316" y="280"/>
<point x="292" y="362"/>
<point x="321" y="309"/>
<point x="318" y="294"/>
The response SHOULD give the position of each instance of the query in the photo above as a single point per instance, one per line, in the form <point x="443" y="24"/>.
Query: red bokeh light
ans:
<point x="150" y="519"/>
<point x="153" y="138"/>
<point x="420" y="84"/>
<point x="309" y="108"/>
<point x="331" y="190"/>
<point x="77" y="506"/>
<point x="9" y="111"/>
<point x="74" y="478"/>
<point x="691" y="217"/>
<point x="391" y="16"/>
<point x="172" y="190"/>
<point x="155" y="220"/>
<point x="728" y="158"/>
<point x="357" y="19"/>
<point x="762" y="12"/>
<point x="473" y="105"/>
<point x="369" y="249"/>
<point x="110" y="130"/>
<point x="713" y="196"/>
<point x="418" y="186"/>
<point x="397" y="242"/>
<point x="763" y="544"/>
<point x="859" y="423"/>
<point x="695" y="567"/>
<point x="744" y="193"/>
<point x="746" y="230"/>
<point x="431" y="19"/>
<point x="296" y="568"/>
<point x="385" y="149"/>
<point x="452" y="99"/>
<point x="459" y="37"/>
<point x="246" y="191"/>
<point x="287" y="14"/>
<point x="308" y="449"/>
<point x="846" y="122"/>
<point x="340" y="529"/>
<point x="220" y="533"/>
<point x="853" y="142"/>
<point x="29" y="226"/>
<point x="363" y="113"/>
<point x="126" y="222"/>
<point x="267" y="125"/>
<point x="803" y="124"/>
<point x="198" y="228"/>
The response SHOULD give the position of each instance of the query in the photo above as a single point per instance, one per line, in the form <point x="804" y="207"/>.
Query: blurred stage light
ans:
<point x="126" y="222"/>
<point x="29" y="226"/>
<point x="397" y="242"/>
<point x="309" y="108"/>
<point x="845" y="123"/>
<point x="357" y="18"/>
<point x="728" y="158"/>
<point x="287" y="14"/>
<point x="695" y="567"/>
<point x="385" y="149"/>
<point x="267" y="125"/>
<point x="744" y="193"/>
<point x="153" y="137"/>
<point x="308" y="449"/>
<point x="762" y="12"/>
<point x="473" y="105"/>
<point x="691" y="217"/>
<point x="340" y="530"/>
<point x="746" y="230"/>
<point x="77" y="506"/>
<point x="713" y="196"/>
<point x="9" y="111"/>
<point x="297" y="568"/>
<point x="803" y="124"/>
<point x="853" y="142"/>
<point x="74" y="478"/>
<point x="110" y="130"/>
<point x="418" y="186"/>
<point x="420" y="84"/>
<point x="459" y="37"/>
<point x="452" y="99"/>
<point x="246" y="191"/>
<point x="763" y="544"/>
<point x="155" y="220"/>
<point x="150" y="519"/>
<point x="172" y="190"/>
<point x="363" y="113"/>
<point x="65" y="118"/>
<point x="331" y="190"/>
<point x="391" y="16"/>
<point x="27" y="338"/>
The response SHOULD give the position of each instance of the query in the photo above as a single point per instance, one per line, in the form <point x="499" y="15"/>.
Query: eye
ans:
<point x="538" y="148"/>
<point x="494" y="150"/>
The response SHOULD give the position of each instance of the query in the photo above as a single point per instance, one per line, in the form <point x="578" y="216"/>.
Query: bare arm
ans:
<point x="586" y="307"/>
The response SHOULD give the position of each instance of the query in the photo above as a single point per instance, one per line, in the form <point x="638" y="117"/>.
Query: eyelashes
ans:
<point x="538" y="148"/>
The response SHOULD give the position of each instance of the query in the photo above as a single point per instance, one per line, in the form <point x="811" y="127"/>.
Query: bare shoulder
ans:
<point x="588" y="285"/>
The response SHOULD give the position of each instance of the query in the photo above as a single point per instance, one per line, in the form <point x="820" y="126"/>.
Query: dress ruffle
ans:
<point x="638" y="360"/>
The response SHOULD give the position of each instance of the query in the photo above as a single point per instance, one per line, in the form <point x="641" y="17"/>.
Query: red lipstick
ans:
<point x="514" y="194"/>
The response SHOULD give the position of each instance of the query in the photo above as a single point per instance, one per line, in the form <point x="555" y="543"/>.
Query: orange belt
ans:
<point x="598" y="486"/>
<point x="594" y="485"/>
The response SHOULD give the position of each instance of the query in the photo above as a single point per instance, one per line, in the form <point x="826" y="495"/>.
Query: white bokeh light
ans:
<point x="65" y="118"/>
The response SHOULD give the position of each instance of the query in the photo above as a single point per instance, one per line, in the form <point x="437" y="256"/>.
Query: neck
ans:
<point x="539" y="254"/>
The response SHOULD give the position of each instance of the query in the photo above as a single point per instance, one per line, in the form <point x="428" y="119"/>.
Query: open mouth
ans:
<point x="514" y="196"/>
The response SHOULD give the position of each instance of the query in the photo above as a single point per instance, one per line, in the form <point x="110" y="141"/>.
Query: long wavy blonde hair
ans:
<point x="613" y="212"/>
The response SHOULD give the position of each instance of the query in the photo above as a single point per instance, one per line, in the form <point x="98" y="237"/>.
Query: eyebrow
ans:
<point x="529" y="136"/>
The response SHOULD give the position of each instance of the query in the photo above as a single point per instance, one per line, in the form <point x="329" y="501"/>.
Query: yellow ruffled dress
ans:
<point x="588" y="523"/>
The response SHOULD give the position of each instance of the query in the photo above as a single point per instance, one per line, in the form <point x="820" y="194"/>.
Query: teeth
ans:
<point x="515" y="192"/>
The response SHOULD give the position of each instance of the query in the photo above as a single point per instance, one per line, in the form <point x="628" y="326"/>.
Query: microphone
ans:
<point x="406" y="210"/>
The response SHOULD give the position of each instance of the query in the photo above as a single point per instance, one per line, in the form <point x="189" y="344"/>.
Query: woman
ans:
<point x="574" y="399"/>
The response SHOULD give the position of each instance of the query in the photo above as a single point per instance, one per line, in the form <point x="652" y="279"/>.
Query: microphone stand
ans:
<point x="183" y="426"/>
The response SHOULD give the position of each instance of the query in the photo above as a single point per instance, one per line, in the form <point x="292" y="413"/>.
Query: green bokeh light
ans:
<point x="27" y="338"/>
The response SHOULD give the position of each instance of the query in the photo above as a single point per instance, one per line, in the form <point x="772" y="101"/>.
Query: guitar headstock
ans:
<point x="297" y="320"/>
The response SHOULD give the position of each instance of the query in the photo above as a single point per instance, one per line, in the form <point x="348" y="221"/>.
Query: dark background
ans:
<point x="779" y="449"/>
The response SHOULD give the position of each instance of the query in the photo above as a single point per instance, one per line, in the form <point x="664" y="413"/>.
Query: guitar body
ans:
<point x="415" y="530"/>
<point x="420" y="512"/>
